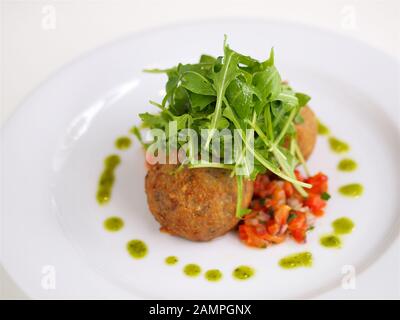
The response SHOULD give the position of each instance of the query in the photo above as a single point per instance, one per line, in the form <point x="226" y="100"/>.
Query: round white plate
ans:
<point x="54" y="244"/>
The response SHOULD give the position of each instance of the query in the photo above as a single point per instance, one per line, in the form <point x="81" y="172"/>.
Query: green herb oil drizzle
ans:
<point x="171" y="260"/>
<point x="137" y="249"/>
<point x="107" y="179"/>
<point x="338" y="146"/>
<point x="113" y="224"/>
<point x="243" y="273"/>
<point x="343" y="226"/>
<point x="323" y="129"/>
<point x="353" y="190"/>
<point x="331" y="241"/>
<point x="347" y="165"/>
<point x="213" y="275"/>
<point x="303" y="259"/>
<point x="192" y="270"/>
<point x="123" y="143"/>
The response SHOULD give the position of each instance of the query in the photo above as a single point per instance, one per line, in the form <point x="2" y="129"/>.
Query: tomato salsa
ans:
<point x="278" y="211"/>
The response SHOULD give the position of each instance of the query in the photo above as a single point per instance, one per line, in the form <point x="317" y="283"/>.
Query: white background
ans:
<point x="32" y="47"/>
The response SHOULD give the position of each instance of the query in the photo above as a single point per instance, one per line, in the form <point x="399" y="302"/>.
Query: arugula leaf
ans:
<point x="182" y="121"/>
<point x="205" y="58"/>
<point x="222" y="79"/>
<point x="152" y="121"/>
<point x="180" y="102"/>
<point x="270" y="61"/>
<point x="223" y="123"/>
<point x="197" y="83"/>
<point x="268" y="82"/>
<point x="240" y="97"/>
<point x="199" y="101"/>
<point x="302" y="98"/>
<point x="288" y="97"/>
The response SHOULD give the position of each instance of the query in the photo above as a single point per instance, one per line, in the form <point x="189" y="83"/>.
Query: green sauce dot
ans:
<point x="243" y="273"/>
<point x="343" y="225"/>
<point x="113" y="224"/>
<point x="123" y="143"/>
<point x="213" y="275"/>
<point x="137" y="249"/>
<point x="338" y="146"/>
<point x="192" y="270"/>
<point x="303" y="259"/>
<point x="171" y="260"/>
<point x="347" y="165"/>
<point x="353" y="190"/>
<point x="331" y="241"/>
<point x="322" y="129"/>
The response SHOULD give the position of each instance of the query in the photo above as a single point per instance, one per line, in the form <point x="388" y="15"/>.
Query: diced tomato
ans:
<point x="270" y="188"/>
<point x="318" y="213"/>
<point x="281" y="214"/>
<point x="289" y="190"/>
<point x="257" y="205"/>
<point x="242" y="232"/>
<point x="298" y="226"/>
<point x="315" y="203"/>
<point x="248" y="236"/>
<point x="262" y="181"/>
<point x="298" y="222"/>
<point x="272" y="218"/>
<point x="269" y="203"/>
<point x="278" y="195"/>
<point x="299" y="235"/>
<point x="272" y="227"/>
<point x="319" y="183"/>
<point x="275" y="238"/>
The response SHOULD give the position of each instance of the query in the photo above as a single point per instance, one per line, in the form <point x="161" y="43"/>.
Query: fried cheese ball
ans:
<point x="307" y="132"/>
<point x="195" y="204"/>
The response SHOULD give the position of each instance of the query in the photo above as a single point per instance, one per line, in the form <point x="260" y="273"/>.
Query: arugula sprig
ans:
<point x="238" y="92"/>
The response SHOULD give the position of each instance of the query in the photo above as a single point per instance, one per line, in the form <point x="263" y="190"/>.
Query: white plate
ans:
<point x="53" y="149"/>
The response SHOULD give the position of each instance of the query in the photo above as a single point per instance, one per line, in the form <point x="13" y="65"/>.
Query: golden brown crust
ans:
<point x="196" y="204"/>
<point x="307" y="132"/>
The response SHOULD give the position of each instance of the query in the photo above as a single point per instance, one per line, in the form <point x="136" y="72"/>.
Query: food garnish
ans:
<point x="243" y="273"/>
<point x="353" y="190"/>
<point x="347" y="165"/>
<point x="279" y="211"/>
<point x="107" y="178"/>
<point x="113" y="224"/>
<point x="230" y="92"/>
<point x="302" y="259"/>
<point x="343" y="226"/>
